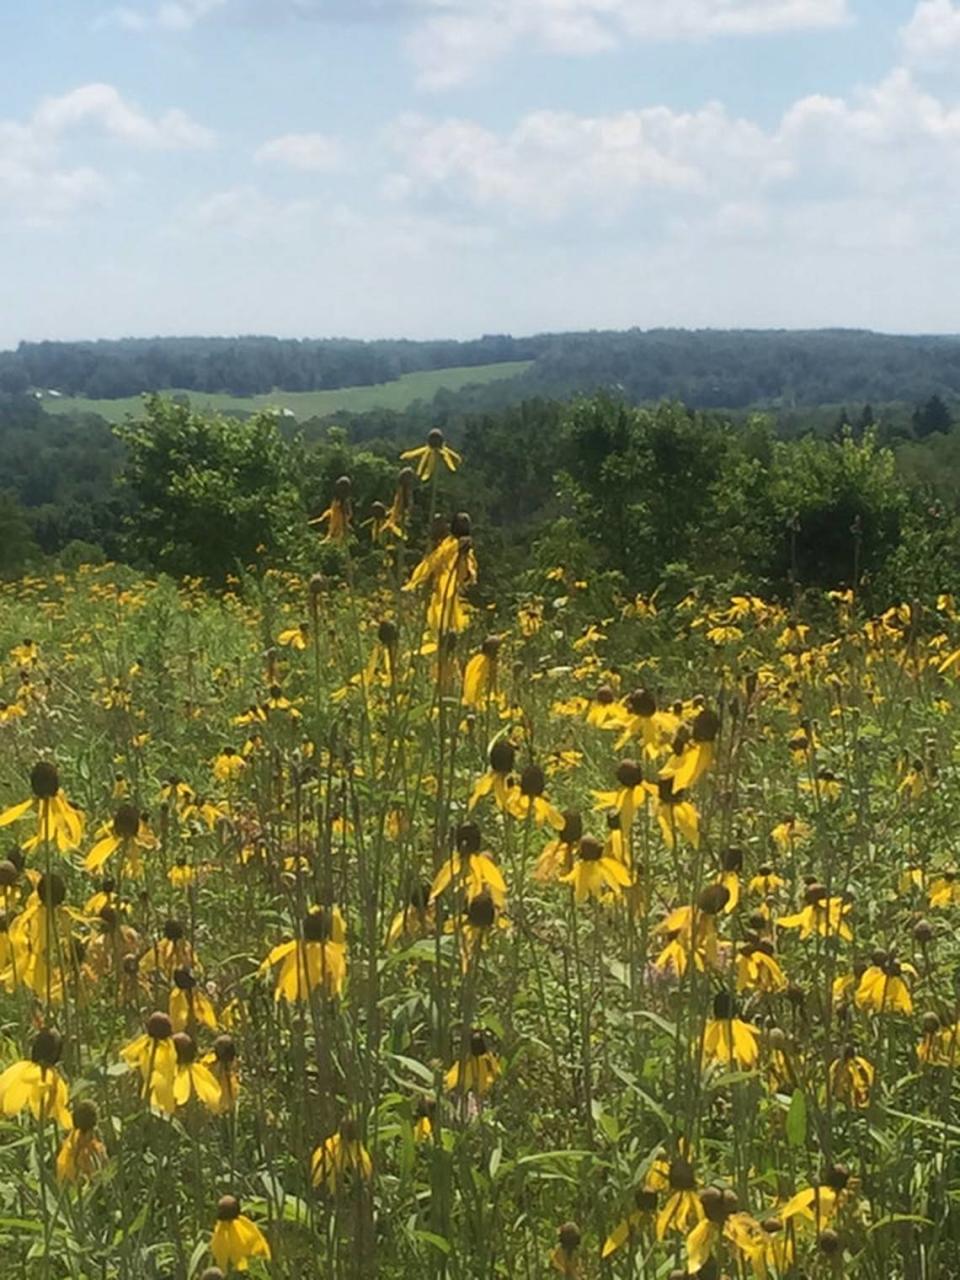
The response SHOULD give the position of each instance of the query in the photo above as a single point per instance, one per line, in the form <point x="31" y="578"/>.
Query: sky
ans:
<point x="448" y="168"/>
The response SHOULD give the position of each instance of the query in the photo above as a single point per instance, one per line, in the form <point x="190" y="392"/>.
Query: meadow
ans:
<point x="398" y="395"/>
<point x="355" y="927"/>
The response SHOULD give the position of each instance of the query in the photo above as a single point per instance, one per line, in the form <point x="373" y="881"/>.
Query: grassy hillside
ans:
<point x="399" y="394"/>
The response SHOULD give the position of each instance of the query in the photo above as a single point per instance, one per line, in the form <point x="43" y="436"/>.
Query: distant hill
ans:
<point x="729" y="369"/>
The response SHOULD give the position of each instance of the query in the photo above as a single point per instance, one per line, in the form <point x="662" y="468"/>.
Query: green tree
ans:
<point x="17" y="547"/>
<point x="930" y="417"/>
<point x="213" y="493"/>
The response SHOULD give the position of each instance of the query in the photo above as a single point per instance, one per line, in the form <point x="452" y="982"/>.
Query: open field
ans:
<point x="400" y="394"/>
<point x="343" y="940"/>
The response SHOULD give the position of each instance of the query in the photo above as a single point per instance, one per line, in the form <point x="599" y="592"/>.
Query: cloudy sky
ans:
<point x="457" y="167"/>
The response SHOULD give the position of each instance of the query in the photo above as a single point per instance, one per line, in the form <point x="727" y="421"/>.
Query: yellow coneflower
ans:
<point x="222" y="1064"/>
<point x="641" y="1217"/>
<point x="130" y="833"/>
<point x="193" y="1079"/>
<point x="339" y="1156"/>
<point x="883" y="988"/>
<point x="442" y="556"/>
<point x="528" y="800"/>
<point x="643" y="720"/>
<point x="821" y="914"/>
<point x="81" y="1153"/>
<point x="319" y="959"/>
<point x="563" y="1258"/>
<point x="153" y="1054"/>
<point x="943" y="889"/>
<point x="723" y="1221"/>
<point x="480" y="675"/>
<point x="758" y="968"/>
<point x="57" y="819"/>
<point x="727" y="1039"/>
<point x="338" y="515"/>
<point x="731" y="864"/>
<point x="496" y="781"/>
<point x="689" y="767"/>
<point x="766" y="882"/>
<point x="850" y="1078"/>
<point x="228" y="765"/>
<point x="790" y="832"/>
<point x="470" y="869"/>
<point x="423" y="1118"/>
<point x="476" y="1072"/>
<point x="824" y="784"/>
<point x="629" y="796"/>
<point x="556" y="858"/>
<point x="593" y="874"/>
<point x="682" y="1209"/>
<point x="692" y="933"/>
<point x="107" y="951"/>
<point x="675" y="813"/>
<point x="172" y="951"/>
<point x="397" y="516"/>
<point x="34" y="1083"/>
<point x="41" y="938"/>
<point x="24" y="654"/>
<point x="428" y="455"/>
<point x="189" y="1005"/>
<point x="297" y="637"/>
<point x="480" y="917"/>
<point x="416" y="920"/>
<point x="236" y="1238"/>
<point x="817" y="1205"/>
<point x="446" y="611"/>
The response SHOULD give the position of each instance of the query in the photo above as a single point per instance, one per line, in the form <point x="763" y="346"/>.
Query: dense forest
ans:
<point x="704" y="369"/>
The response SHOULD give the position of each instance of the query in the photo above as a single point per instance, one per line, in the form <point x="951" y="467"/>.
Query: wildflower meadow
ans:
<point x="367" y="924"/>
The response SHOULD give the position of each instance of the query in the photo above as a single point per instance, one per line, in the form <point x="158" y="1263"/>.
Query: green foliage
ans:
<point x="17" y="547"/>
<point x="213" y="493"/>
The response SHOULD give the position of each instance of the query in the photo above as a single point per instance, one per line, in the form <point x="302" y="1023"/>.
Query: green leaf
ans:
<point x="797" y="1120"/>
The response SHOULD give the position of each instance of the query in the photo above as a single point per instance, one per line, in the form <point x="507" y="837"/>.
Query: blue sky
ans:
<point x="454" y="167"/>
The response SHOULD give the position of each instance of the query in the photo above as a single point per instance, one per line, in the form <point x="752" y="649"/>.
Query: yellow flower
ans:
<point x="674" y="813"/>
<point x="480" y="675"/>
<point x="594" y="875"/>
<point x="81" y="1153"/>
<point x="36" y="1084"/>
<point x="235" y="1238"/>
<point x="496" y="780"/>
<point x="727" y="1039"/>
<point x="193" y="1079"/>
<point x="944" y="889"/>
<point x="821" y="914"/>
<point x="423" y="1119"/>
<point x="476" y="1072"/>
<point x="228" y="765"/>
<point x="883" y="989"/>
<point x="789" y="832"/>
<point x="416" y="920"/>
<point x="154" y="1056"/>
<point x="722" y="1221"/>
<point x="556" y="858"/>
<point x="320" y="959"/>
<point x="682" y="1208"/>
<point x="189" y="1006"/>
<point x="766" y="882"/>
<point x="295" y="637"/>
<point x="850" y="1078"/>
<point x="629" y="796"/>
<point x="221" y="1062"/>
<point x="56" y="817"/>
<point x="528" y="801"/>
<point x="427" y="455"/>
<point x="689" y="767"/>
<point x="339" y="513"/>
<point x="128" y="832"/>
<point x="563" y="1258"/>
<point x="471" y="870"/>
<point x="340" y="1155"/>
<point x="758" y="969"/>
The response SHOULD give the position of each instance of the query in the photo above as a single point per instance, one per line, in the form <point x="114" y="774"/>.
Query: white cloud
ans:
<point x="891" y="141"/>
<point x="306" y="152"/>
<point x="461" y="36"/>
<point x="39" y="183"/>
<point x="453" y="41"/>
<point x="172" y="15"/>
<point x="932" y="36"/>
<point x="101" y="107"/>
<point x="553" y="163"/>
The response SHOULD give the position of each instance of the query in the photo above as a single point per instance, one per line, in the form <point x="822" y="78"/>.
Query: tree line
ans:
<point x="735" y="369"/>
